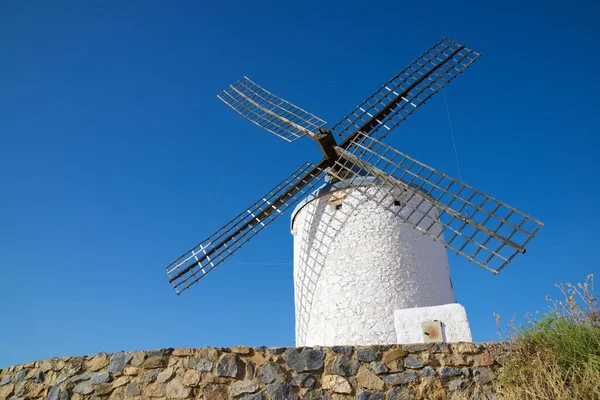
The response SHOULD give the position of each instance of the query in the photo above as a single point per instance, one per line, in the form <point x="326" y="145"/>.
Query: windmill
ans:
<point x="371" y="231"/>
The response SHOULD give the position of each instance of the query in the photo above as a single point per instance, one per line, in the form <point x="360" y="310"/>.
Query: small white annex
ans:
<point x="362" y="276"/>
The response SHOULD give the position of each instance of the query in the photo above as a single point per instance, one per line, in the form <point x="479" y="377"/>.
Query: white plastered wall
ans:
<point x="354" y="266"/>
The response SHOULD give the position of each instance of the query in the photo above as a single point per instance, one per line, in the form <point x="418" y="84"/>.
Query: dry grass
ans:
<point x="554" y="355"/>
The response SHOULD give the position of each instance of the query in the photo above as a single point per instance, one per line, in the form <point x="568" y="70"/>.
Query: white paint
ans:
<point x="455" y="325"/>
<point x="355" y="266"/>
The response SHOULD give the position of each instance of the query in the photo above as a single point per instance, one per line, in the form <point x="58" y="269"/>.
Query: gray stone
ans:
<point x="204" y="365"/>
<point x="255" y="396"/>
<point x="132" y="389"/>
<point x="302" y="360"/>
<point x="379" y="368"/>
<point x="342" y="350"/>
<point x="465" y="371"/>
<point x="482" y="375"/>
<point x="61" y="379"/>
<point x="38" y="377"/>
<point x="19" y="376"/>
<point x="101" y="377"/>
<point x="457" y="384"/>
<point x="399" y="379"/>
<point x="160" y="352"/>
<point x="6" y="379"/>
<point x="344" y="366"/>
<point x="413" y="363"/>
<point x="400" y="394"/>
<point x="416" y="347"/>
<point x="118" y="361"/>
<point x="53" y="393"/>
<point x="242" y="387"/>
<point x="276" y="350"/>
<point x="316" y="394"/>
<point x="304" y="380"/>
<point x="447" y="372"/>
<point x="83" y="388"/>
<point x="228" y="366"/>
<point x="428" y="371"/>
<point x="282" y="391"/>
<point x="79" y="378"/>
<point x="150" y="375"/>
<point x="367" y="355"/>
<point x="369" y="396"/>
<point x="271" y="372"/>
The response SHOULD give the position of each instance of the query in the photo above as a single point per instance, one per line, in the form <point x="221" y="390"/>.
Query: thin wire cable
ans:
<point x="452" y="134"/>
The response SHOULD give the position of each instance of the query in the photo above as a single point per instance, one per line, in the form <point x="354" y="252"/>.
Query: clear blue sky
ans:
<point x="116" y="156"/>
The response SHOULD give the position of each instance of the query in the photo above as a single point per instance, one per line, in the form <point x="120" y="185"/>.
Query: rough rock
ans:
<point x="482" y="375"/>
<point x="155" y="362"/>
<point x="416" y="347"/>
<point x="379" y="368"/>
<point x="393" y="355"/>
<point x="304" y="359"/>
<point x="103" y="389"/>
<point x="118" y="361"/>
<point x="271" y="372"/>
<point x="176" y="390"/>
<point x="282" y="391"/>
<point x="368" y="355"/>
<point x="6" y="390"/>
<point x="191" y="378"/>
<point x="83" y="387"/>
<point x="243" y="350"/>
<point x="255" y="396"/>
<point x="413" y="363"/>
<point x="160" y="352"/>
<point x="132" y="389"/>
<point x="370" y="396"/>
<point x="336" y="383"/>
<point x="316" y="394"/>
<point x="150" y="375"/>
<point x="399" y="379"/>
<point x="344" y="366"/>
<point x="400" y="394"/>
<point x="447" y="372"/>
<point x="204" y="365"/>
<point x="342" y="350"/>
<point x="53" y="393"/>
<point x="304" y="380"/>
<point x="165" y="375"/>
<point x="79" y="378"/>
<point x="242" y="387"/>
<point x="20" y="376"/>
<point x="367" y="379"/>
<point x="457" y="384"/>
<point x="228" y="366"/>
<point x="154" y="390"/>
<point x="101" y="377"/>
<point x="38" y="377"/>
<point x="427" y="371"/>
<point x="6" y="379"/>
<point x="99" y="361"/>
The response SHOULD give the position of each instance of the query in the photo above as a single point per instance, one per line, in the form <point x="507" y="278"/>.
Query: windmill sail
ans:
<point x="194" y="264"/>
<point x="479" y="227"/>
<point x="271" y="113"/>
<point x="398" y="98"/>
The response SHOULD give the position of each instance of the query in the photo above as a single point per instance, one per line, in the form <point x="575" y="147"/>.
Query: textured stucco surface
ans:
<point x="455" y="325"/>
<point x="355" y="265"/>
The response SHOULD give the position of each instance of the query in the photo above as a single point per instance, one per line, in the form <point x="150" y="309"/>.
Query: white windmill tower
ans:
<point x="370" y="235"/>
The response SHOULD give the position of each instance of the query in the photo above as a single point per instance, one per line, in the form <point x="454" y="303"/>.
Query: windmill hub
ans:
<point x="370" y="263"/>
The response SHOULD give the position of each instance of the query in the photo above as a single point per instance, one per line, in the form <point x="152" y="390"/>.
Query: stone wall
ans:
<point x="420" y="371"/>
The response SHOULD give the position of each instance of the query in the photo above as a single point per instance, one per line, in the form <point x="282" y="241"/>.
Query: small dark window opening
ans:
<point x="397" y="203"/>
<point x="338" y="207"/>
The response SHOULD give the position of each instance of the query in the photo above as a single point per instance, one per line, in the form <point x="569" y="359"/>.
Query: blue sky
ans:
<point x="116" y="156"/>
